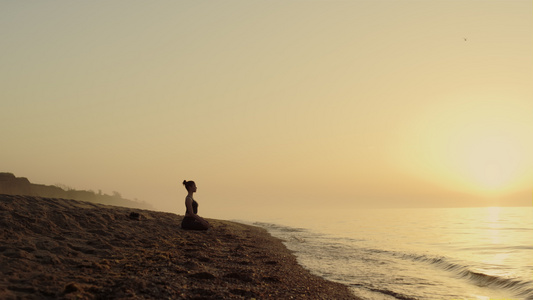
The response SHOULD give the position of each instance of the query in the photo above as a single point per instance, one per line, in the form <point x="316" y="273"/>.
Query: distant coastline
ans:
<point x="12" y="185"/>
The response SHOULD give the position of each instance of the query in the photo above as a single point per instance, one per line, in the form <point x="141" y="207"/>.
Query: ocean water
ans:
<point x="451" y="253"/>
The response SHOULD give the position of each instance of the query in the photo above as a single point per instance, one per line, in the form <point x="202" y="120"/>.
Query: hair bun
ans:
<point x="184" y="182"/>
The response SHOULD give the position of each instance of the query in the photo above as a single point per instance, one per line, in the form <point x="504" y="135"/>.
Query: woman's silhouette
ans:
<point x="192" y="220"/>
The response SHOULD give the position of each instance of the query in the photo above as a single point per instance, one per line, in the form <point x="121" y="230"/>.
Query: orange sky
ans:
<point x="272" y="104"/>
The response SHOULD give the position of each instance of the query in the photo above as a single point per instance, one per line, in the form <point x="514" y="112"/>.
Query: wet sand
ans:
<point x="66" y="249"/>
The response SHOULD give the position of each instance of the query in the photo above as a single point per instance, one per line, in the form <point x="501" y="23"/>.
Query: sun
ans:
<point x="489" y="161"/>
<point x="480" y="147"/>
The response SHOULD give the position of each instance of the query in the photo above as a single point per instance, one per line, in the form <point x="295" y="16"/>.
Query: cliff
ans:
<point x="12" y="185"/>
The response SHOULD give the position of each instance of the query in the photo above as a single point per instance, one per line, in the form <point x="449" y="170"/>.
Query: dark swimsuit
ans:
<point x="190" y="222"/>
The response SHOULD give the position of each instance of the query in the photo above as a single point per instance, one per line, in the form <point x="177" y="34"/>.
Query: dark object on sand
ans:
<point x="135" y="216"/>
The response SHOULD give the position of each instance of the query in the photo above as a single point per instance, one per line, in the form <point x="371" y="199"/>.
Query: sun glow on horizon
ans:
<point x="491" y="162"/>
<point x="477" y="146"/>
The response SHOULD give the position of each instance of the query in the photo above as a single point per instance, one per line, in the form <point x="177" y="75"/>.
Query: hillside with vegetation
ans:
<point x="12" y="185"/>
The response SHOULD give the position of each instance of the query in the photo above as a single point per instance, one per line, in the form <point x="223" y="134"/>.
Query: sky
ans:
<point x="272" y="105"/>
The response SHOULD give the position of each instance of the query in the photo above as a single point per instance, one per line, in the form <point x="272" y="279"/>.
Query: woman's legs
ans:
<point x="191" y="224"/>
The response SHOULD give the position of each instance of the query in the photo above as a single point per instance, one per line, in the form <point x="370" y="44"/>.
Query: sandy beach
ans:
<point x="66" y="249"/>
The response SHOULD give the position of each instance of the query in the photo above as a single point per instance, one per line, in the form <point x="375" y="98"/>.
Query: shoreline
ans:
<point x="68" y="249"/>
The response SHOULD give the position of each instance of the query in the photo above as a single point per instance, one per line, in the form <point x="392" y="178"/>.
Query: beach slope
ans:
<point x="66" y="249"/>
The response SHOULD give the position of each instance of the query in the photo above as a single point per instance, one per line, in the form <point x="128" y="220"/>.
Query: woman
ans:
<point x="192" y="220"/>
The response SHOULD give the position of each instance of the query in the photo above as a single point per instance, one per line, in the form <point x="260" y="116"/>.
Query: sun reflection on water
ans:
<point x="494" y="225"/>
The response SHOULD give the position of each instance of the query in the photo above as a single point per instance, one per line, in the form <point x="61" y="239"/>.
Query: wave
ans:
<point x="497" y="249"/>
<point x="393" y="294"/>
<point x="516" y="229"/>
<point x="505" y="228"/>
<point x="519" y="287"/>
<point x="271" y="226"/>
<point x="323" y="252"/>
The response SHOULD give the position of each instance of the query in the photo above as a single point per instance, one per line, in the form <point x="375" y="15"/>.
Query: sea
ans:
<point x="437" y="253"/>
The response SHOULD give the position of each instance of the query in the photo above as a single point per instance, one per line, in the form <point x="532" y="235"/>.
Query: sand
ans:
<point x="66" y="249"/>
